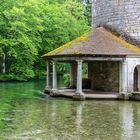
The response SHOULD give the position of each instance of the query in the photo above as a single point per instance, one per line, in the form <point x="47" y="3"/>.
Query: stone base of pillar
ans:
<point x="47" y="90"/>
<point x="54" y="93"/>
<point x="123" y="96"/>
<point x="135" y="96"/>
<point x="79" y="96"/>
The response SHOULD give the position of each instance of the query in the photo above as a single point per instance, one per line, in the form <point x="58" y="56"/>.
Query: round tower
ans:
<point x="122" y="16"/>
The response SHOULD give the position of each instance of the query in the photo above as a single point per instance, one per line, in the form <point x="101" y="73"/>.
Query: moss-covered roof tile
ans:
<point x="98" y="42"/>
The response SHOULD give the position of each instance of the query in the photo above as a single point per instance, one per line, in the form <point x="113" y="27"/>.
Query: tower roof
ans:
<point x="98" y="42"/>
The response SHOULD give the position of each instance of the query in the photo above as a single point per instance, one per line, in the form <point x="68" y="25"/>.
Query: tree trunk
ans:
<point x="3" y="64"/>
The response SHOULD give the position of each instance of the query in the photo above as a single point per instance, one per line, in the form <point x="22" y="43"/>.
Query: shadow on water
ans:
<point x="26" y="113"/>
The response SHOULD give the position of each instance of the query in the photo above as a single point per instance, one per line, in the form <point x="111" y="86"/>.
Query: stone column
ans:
<point x="120" y="77"/>
<point x="124" y="80"/>
<point x="124" y="77"/>
<point x="47" y="88"/>
<point x="138" y="68"/>
<point x="130" y="87"/>
<point x="79" y="94"/>
<point x="54" y="76"/>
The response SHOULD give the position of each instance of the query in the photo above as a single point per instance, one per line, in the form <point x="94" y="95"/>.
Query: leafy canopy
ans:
<point x="30" y="28"/>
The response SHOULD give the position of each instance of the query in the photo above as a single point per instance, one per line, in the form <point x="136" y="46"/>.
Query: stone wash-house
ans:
<point x="109" y="51"/>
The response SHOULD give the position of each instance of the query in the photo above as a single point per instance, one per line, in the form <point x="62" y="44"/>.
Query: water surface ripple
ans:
<point x="26" y="114"/>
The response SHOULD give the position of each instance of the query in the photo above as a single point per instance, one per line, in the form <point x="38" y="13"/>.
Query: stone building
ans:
<point x="122" y="16"/>
<point x="113" y="61"/>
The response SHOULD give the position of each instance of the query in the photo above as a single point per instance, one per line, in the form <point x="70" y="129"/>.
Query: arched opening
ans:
<point x="136" y="79"/>
<point x="136" y="85"/>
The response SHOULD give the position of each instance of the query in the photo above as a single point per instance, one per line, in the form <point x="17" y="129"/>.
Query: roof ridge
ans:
<point x="99" y="41"/>
<point x="120" y="40"/>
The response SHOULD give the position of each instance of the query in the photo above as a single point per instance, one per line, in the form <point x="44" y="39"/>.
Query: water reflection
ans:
<point x="53" y="119"/>
<point x="63" y="119"/>
<point x="79" y="119"/>
<point x="126" y="112"/>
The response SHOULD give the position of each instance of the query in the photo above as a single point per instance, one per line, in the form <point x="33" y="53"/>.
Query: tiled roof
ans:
<point x="98" y="42"/>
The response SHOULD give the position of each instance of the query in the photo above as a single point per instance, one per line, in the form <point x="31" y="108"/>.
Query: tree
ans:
<point x="34" y="27"/>
<point x="19" y="38"/>
<point x="62" y="23"/>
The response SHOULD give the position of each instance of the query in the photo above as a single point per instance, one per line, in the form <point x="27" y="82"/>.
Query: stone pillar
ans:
<point x="54" y="76"/>
<point x="130" y="87"/>
<point x="79" y="77"/>
<point x="54" y="91"/>
<point x="138" y="68"/>
<point x="124" y="80"/>
<point x="120" y="77"/>
<point x="79" y="94"/>
<point x="47" y="88"/>
<point x="124" y="77"/>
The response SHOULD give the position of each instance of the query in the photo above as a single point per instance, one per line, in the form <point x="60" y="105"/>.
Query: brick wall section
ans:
<point x="73" y="81"/>
<point x="122" y="16"/>
<point x="105" y="76"/>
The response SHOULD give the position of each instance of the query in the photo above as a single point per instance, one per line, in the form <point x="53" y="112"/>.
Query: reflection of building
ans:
<point x="127" y="121"/>
<point x="113" y="63"/>
<point x="79" y="120"/>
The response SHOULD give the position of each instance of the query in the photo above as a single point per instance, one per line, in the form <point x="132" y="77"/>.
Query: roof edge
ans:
<point x="115" y="36"/>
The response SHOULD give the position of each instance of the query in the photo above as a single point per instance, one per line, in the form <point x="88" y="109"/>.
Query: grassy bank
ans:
<point x="11" y="78"/>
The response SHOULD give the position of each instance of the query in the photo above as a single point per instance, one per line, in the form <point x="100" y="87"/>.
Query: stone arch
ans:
<point x="136" y="78"/>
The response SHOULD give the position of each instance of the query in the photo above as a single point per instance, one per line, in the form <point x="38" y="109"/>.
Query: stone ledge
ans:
<point x="47" y="90"/>
<point x="79" y="96"/>
<point x="134" y="96"/>
<point x="123" y="96"/>
<point x="54" y="93"/>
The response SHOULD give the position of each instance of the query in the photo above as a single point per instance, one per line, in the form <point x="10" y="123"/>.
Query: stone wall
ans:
<point x="73" y="80"/>
<point x="104" y="76"/>
<point x="122" y="16"/>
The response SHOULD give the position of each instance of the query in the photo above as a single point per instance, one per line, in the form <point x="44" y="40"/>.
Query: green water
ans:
<point x="26" y="114"/>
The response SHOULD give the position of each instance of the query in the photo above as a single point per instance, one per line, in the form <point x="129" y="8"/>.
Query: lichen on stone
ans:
<point x="80" y="39"/>
<point x="77" y="52"/>
<point x="126" y="44"/>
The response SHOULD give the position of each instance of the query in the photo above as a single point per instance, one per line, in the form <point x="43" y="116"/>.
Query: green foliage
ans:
<point x="67" y="79"/>
<point x="6" y="77"/>
<point x="85" y="70"/>
<point x="34" y="27"/>
<point x="87" y="13"/>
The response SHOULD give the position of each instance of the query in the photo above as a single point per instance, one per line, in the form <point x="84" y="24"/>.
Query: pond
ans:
<point x="26" y="114"/>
